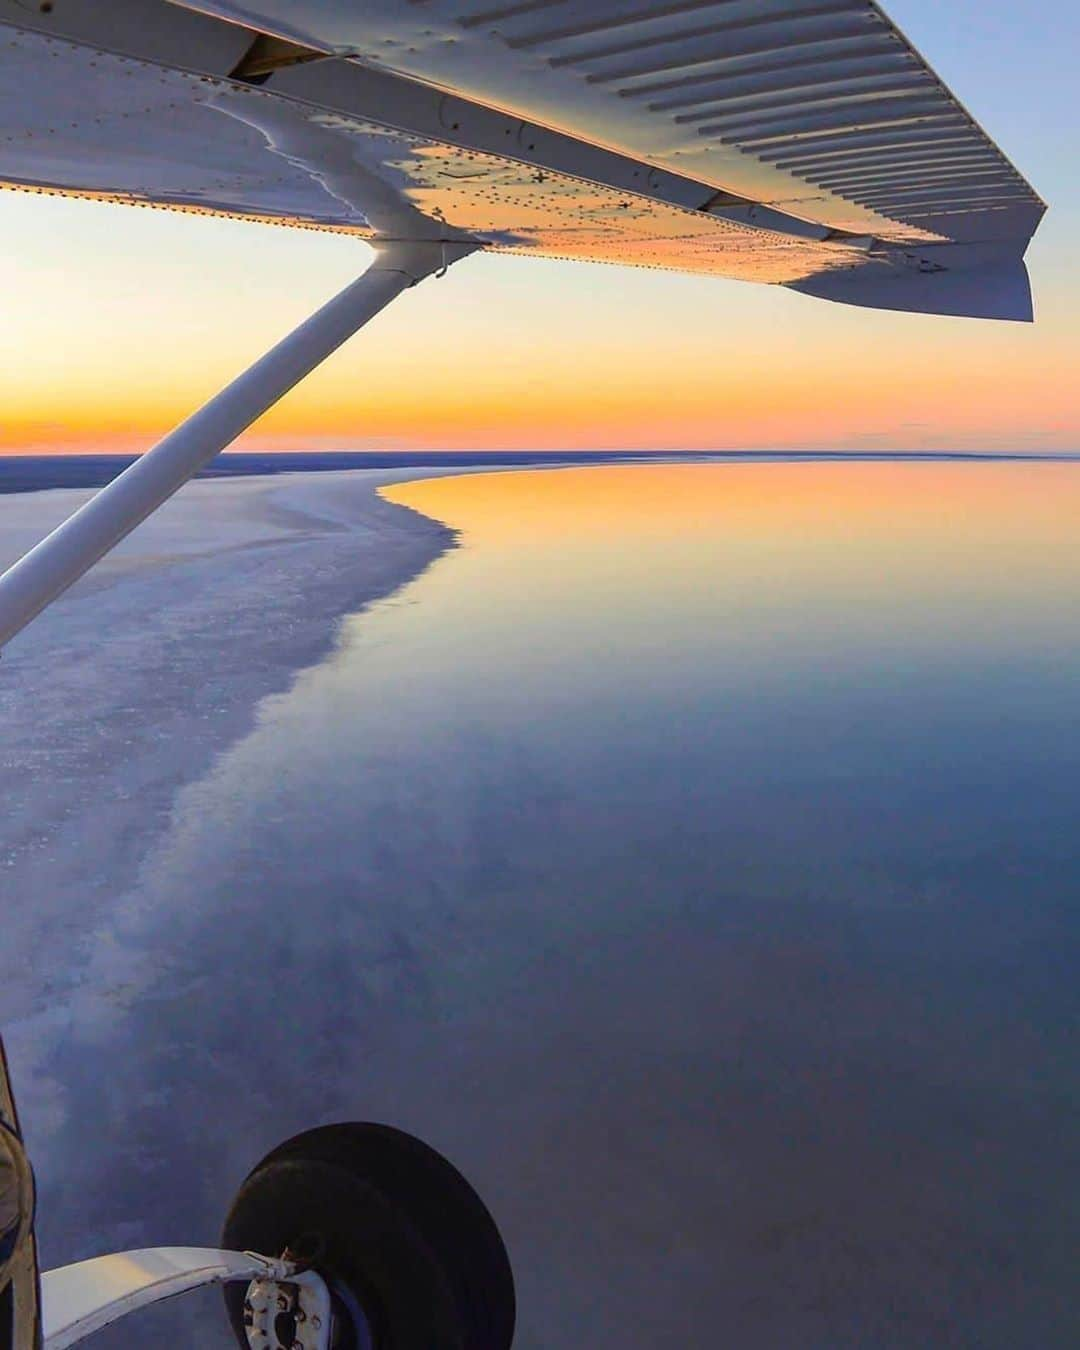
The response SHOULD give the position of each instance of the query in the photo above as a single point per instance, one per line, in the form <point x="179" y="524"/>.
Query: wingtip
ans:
<point x="998" y="290"/>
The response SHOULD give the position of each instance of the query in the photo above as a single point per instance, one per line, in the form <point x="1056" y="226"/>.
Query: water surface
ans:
<point x="691" y="855"/>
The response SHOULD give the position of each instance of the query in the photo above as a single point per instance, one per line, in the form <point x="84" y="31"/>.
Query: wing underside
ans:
<point x="804" y="144"/>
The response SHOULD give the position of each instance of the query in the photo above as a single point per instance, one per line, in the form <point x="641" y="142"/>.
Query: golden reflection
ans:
<point x="869" y="542"/>
<point x="977" y="501"/>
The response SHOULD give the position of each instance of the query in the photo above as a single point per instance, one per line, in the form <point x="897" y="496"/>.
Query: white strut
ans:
<point x="79" y="1300"/>
<point x="73" y="547"/>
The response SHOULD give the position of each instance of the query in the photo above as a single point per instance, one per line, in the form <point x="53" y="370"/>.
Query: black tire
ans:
<point x="397" y="1230"/>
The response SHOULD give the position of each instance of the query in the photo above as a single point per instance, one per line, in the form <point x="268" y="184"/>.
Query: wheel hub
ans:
<point x="292" y="1314"/>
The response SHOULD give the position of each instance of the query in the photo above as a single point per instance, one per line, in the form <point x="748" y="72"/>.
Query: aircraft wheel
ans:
<point x="411" y="1255"/>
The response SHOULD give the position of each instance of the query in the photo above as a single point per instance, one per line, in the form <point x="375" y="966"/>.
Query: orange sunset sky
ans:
<point x="119" y="322"/>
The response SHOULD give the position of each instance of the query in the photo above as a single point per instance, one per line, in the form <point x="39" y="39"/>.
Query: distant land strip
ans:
<point x="36" y="473"/>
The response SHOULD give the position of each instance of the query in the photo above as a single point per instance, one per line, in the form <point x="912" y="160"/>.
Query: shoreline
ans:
<point x="129" y="687"/>
<point x="29" y="472"/>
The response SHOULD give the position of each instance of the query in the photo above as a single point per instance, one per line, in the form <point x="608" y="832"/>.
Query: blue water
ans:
<point x="708" y="892"/>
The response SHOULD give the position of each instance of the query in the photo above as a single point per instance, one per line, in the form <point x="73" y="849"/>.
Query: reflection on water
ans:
<point x="691" y="855"/>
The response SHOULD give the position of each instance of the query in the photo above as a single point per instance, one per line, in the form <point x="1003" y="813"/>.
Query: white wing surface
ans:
<point x="802" y="142"/>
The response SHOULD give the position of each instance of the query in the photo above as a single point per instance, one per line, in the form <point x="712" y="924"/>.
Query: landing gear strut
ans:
<point x="376" y="1242"/>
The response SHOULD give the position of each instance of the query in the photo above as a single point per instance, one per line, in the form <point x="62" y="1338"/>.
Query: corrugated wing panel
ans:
<point x="796" y="103"/>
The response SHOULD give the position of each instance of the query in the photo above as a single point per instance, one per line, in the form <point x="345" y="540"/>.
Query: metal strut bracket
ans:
<point x="73" y="547"/>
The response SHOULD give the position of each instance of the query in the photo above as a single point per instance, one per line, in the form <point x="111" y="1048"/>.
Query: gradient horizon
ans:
<point x="121" y="322"/>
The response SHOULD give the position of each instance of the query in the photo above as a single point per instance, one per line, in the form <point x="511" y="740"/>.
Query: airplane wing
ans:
<point x="802" y="142"/>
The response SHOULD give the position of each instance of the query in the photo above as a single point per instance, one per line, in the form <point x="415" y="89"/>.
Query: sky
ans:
<point x="119" y="322"/>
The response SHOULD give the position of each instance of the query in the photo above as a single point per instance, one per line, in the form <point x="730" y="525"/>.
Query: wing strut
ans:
<point x="76" y="545"/>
